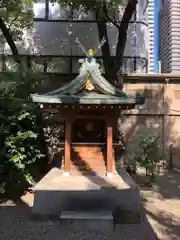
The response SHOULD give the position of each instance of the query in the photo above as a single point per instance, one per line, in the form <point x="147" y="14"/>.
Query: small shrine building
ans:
<point x="91" y="107"/>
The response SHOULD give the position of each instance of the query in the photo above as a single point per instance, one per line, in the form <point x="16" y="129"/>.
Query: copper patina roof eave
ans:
<point x="68" y="94"/>
<point x="87" y="100"/>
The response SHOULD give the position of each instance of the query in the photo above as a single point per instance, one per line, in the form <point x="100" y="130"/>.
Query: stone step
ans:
<point x="88" y="220"/>
<point x="93" y="168"/>
<point x="89" y="166"/>
<point x="85" y="162"/>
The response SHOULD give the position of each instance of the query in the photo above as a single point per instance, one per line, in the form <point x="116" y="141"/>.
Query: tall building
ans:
<point x="153" y="35"/>
<point x="169" y="38"/>
<point x="50" y="44"/>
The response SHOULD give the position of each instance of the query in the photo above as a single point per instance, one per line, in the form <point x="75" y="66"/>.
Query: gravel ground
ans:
<point x="162" y="221"/>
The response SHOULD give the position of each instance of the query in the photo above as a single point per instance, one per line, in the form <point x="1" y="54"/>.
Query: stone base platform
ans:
<point x="119" y="194"/>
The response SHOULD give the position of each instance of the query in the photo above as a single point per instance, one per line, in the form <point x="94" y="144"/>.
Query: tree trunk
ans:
<point x="108" y="62"/>
<point x="7" y="35"/>
<point x="122" y="31"/>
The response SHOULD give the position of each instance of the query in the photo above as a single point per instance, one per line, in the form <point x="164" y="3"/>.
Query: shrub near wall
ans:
<point x="22" y="148"/>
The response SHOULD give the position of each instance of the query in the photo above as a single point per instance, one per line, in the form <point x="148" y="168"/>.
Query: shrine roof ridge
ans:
<point x="108" y="94"/>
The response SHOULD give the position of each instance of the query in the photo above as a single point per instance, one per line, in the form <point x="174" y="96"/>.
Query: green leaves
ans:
<point x="148" y="157"/>
<point x="90" y="4"/>
<point x="18" y="15"/>
<point x="21" y="139"/>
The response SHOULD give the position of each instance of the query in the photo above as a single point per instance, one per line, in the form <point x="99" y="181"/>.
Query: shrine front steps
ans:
<point x="85" y="168"/>
<point x="57" y="193"/>
<point x="88" y="160"/>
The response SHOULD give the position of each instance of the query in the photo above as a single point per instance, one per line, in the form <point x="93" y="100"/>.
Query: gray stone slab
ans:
<point x="56" y="193"/>
<point x="87" y="221"/>
<point x="90" y="215"/>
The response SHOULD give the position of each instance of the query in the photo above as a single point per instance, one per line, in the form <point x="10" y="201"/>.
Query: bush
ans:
<point x="22" y="148"/>
<point x="148" y="157"/>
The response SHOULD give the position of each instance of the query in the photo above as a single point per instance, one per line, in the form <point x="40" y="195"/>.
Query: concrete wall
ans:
<point x="160" y="116"/>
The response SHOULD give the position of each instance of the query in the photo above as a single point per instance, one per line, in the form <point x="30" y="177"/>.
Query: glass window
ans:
<point x="39" y="9"/>
<point x="82" y="15"/>
<point x="120" y="12"/>
<point x="10" y="64"/>
<point x="144" y="4"/>
<point x="134" y="36"/>
<point x="128" y="65"/>
<point x="142" y="11"/>
<point x="58" y="65"/>
<point x="141" y="65"/>
<point x="76" y="64"/>
<point x="1" y="63"/>
<point x="88" y="36"/>
<point x="56" y="12"/>
<point x="38" y="64"/>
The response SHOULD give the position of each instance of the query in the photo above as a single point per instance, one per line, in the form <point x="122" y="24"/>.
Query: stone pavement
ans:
<point x="162" y="220"/>
<point x="16" y="224"/>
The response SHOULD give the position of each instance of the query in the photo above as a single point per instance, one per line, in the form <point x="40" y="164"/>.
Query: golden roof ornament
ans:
<point x="91" y="52"/>
<point x="88" y="85"/>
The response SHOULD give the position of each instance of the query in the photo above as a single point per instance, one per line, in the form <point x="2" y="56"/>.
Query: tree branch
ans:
<point x="122" y="31"/>
<point x="108" y="62"/>
<point x="107" y="17"/>
<point x="113" y="21"/>
<point x="10" y="41"/>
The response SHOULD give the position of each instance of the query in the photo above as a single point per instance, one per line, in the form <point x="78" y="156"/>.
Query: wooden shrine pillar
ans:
<point x="109" y="145"/>
<point x="67" y="148"/>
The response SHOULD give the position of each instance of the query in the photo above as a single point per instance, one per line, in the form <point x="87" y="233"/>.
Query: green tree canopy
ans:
<point x="105" y="11"/>
<point x="15" y="16"/>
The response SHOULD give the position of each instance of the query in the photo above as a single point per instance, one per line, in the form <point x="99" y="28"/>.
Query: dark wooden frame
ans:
<point x="109" y="116"/>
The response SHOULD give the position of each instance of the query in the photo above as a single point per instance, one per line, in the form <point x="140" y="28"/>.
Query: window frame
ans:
<point x="29" y="58"/>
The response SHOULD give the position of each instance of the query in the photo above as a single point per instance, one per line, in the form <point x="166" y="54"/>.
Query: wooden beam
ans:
<point x="109" y="146"/>
<point x="90" y="116"/>
<point x="67" y="151"/>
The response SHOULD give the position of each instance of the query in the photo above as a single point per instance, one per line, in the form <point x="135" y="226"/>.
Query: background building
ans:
<point x="169" y="39"/>
<point x="50" y="44"/>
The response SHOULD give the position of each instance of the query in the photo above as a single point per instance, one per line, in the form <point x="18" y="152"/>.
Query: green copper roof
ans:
<point x="106" y="92"/>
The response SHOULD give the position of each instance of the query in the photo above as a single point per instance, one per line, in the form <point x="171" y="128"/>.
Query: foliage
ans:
<point x="105" y="12"/>
<point x="148" y="157"/>
<point x="131" y="165"/>
<point x="18" y="15"/>
<point x="21" y="140"/>
<point x="89" y="5"/>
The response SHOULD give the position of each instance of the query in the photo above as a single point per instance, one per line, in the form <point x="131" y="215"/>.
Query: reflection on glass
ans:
<point x="128" y="65"/>
<point x="37" y="64"/>
<point x="39" y="9"/>
<point x="56" y="12"/>
<point x="1" y="63"/>
<point x="82" y="14"/>
<point x="76" y="65"/>
<point x="58" y="65"/>
<point x="10" y="65"/>
<point x="142" y="13"/>
<point x="141" y="65"/>
<point x="120" y="12"/>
